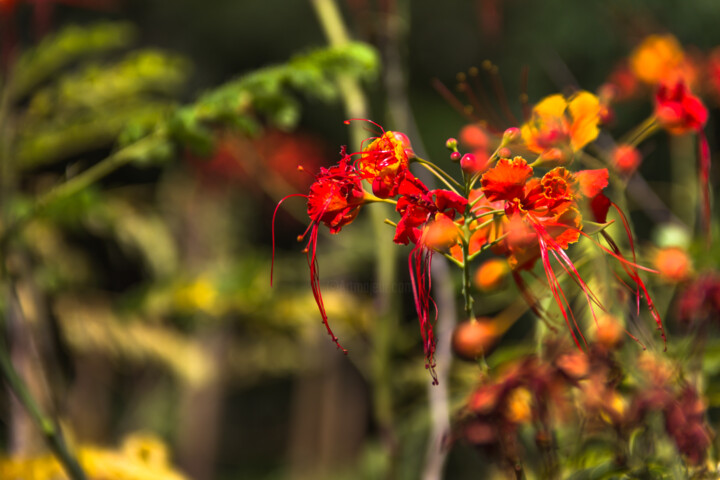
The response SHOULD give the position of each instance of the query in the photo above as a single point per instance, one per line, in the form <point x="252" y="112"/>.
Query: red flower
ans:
<point x="678" y="110"/>
<point x="542" y="218"/>
<point x="334" y="199"/>
<point x="384" y="162"/>
<point x="419" y="206"/>
<point x="427" y="222"/>
<point x="336" y="196"/>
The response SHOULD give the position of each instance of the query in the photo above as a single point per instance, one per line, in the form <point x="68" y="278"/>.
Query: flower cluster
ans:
<point x="519" y="195"/>
<point x="500" y="204"/>
<point x="586" y="389"/>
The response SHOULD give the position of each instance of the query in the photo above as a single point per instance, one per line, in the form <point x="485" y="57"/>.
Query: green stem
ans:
<point x="440" y="174"/>
<point x="355" y="105"/>
<point x="641" y="132"/>
<point x="466" y="283"/>
<point x="49" y="428"/>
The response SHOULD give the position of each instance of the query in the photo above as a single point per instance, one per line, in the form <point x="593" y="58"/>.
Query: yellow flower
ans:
<point x="560" y="126"/>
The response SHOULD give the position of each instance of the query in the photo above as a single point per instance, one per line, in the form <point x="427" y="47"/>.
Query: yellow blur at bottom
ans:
<point x="141" y="457"/>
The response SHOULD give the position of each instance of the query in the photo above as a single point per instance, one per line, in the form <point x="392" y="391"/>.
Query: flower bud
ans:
<point x="455" y="156"/>
<point x="473" y="137"/>
<point x="609" y="331"/>
<point x="475" y="338"/>
<point x="511" y="135"/>
<point x="491" y="274"/>
<point x="451" y="144"/>
<point x="673" y="263"/>
<point x="472" y="163"/>
<point x="626" y="159"/>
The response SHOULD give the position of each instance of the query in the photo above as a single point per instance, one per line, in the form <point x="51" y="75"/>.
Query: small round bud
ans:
<point x="451" y="144"/>
<point x="475" y="338"/>
<point x="609" y="332"/>
<point x="504" y="153"/>
<point x="472" y="163"/>
<point x="673" y="263"/>
<point x="474" y="137"/>
<point x="491" y="274"/>
<point x="511" y="134"/>
<point x="626" y="159"/>
<point x="455" y="156"/>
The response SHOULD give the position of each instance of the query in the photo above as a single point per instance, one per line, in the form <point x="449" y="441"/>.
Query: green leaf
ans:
<point x="69" y="45"/>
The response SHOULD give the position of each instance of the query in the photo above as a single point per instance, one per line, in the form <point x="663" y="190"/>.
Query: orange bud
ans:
<point x="441" y="234"/>
<point x="519" y="406"/>
<point x="673" y="263"/>
<point x="491" y="274"/>
<point x="575" y="365"/>
<point x="474" y="137"/>
<point x="609" y="331"/>
<point x="626" y="158"/>
<point x="475" y="338"/>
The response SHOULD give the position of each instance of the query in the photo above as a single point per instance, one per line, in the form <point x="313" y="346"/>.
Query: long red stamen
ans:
<point x="557" y="292"/>
<point x="272" y="262"/>
<point x="315" y="282"/>
<point x="347" y="122"/>
<point x="635" y="277"/>
<point x="419" y="264"/>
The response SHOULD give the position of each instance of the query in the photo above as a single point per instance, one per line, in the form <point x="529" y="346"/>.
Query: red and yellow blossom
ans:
<point x="384" y="161"/>
<point x="544" y="208"/>
<point x="560" y="126"/>
<point x="542" y="219"/>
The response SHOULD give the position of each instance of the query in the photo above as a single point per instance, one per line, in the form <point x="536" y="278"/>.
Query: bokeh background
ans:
<point x="147" y="297"/>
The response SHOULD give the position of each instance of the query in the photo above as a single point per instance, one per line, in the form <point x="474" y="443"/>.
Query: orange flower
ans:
<point x="659" y="58"/>
<point x="548" y="203"/>
<point x="542" y="218"/>
<point x="558" y="127"/>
